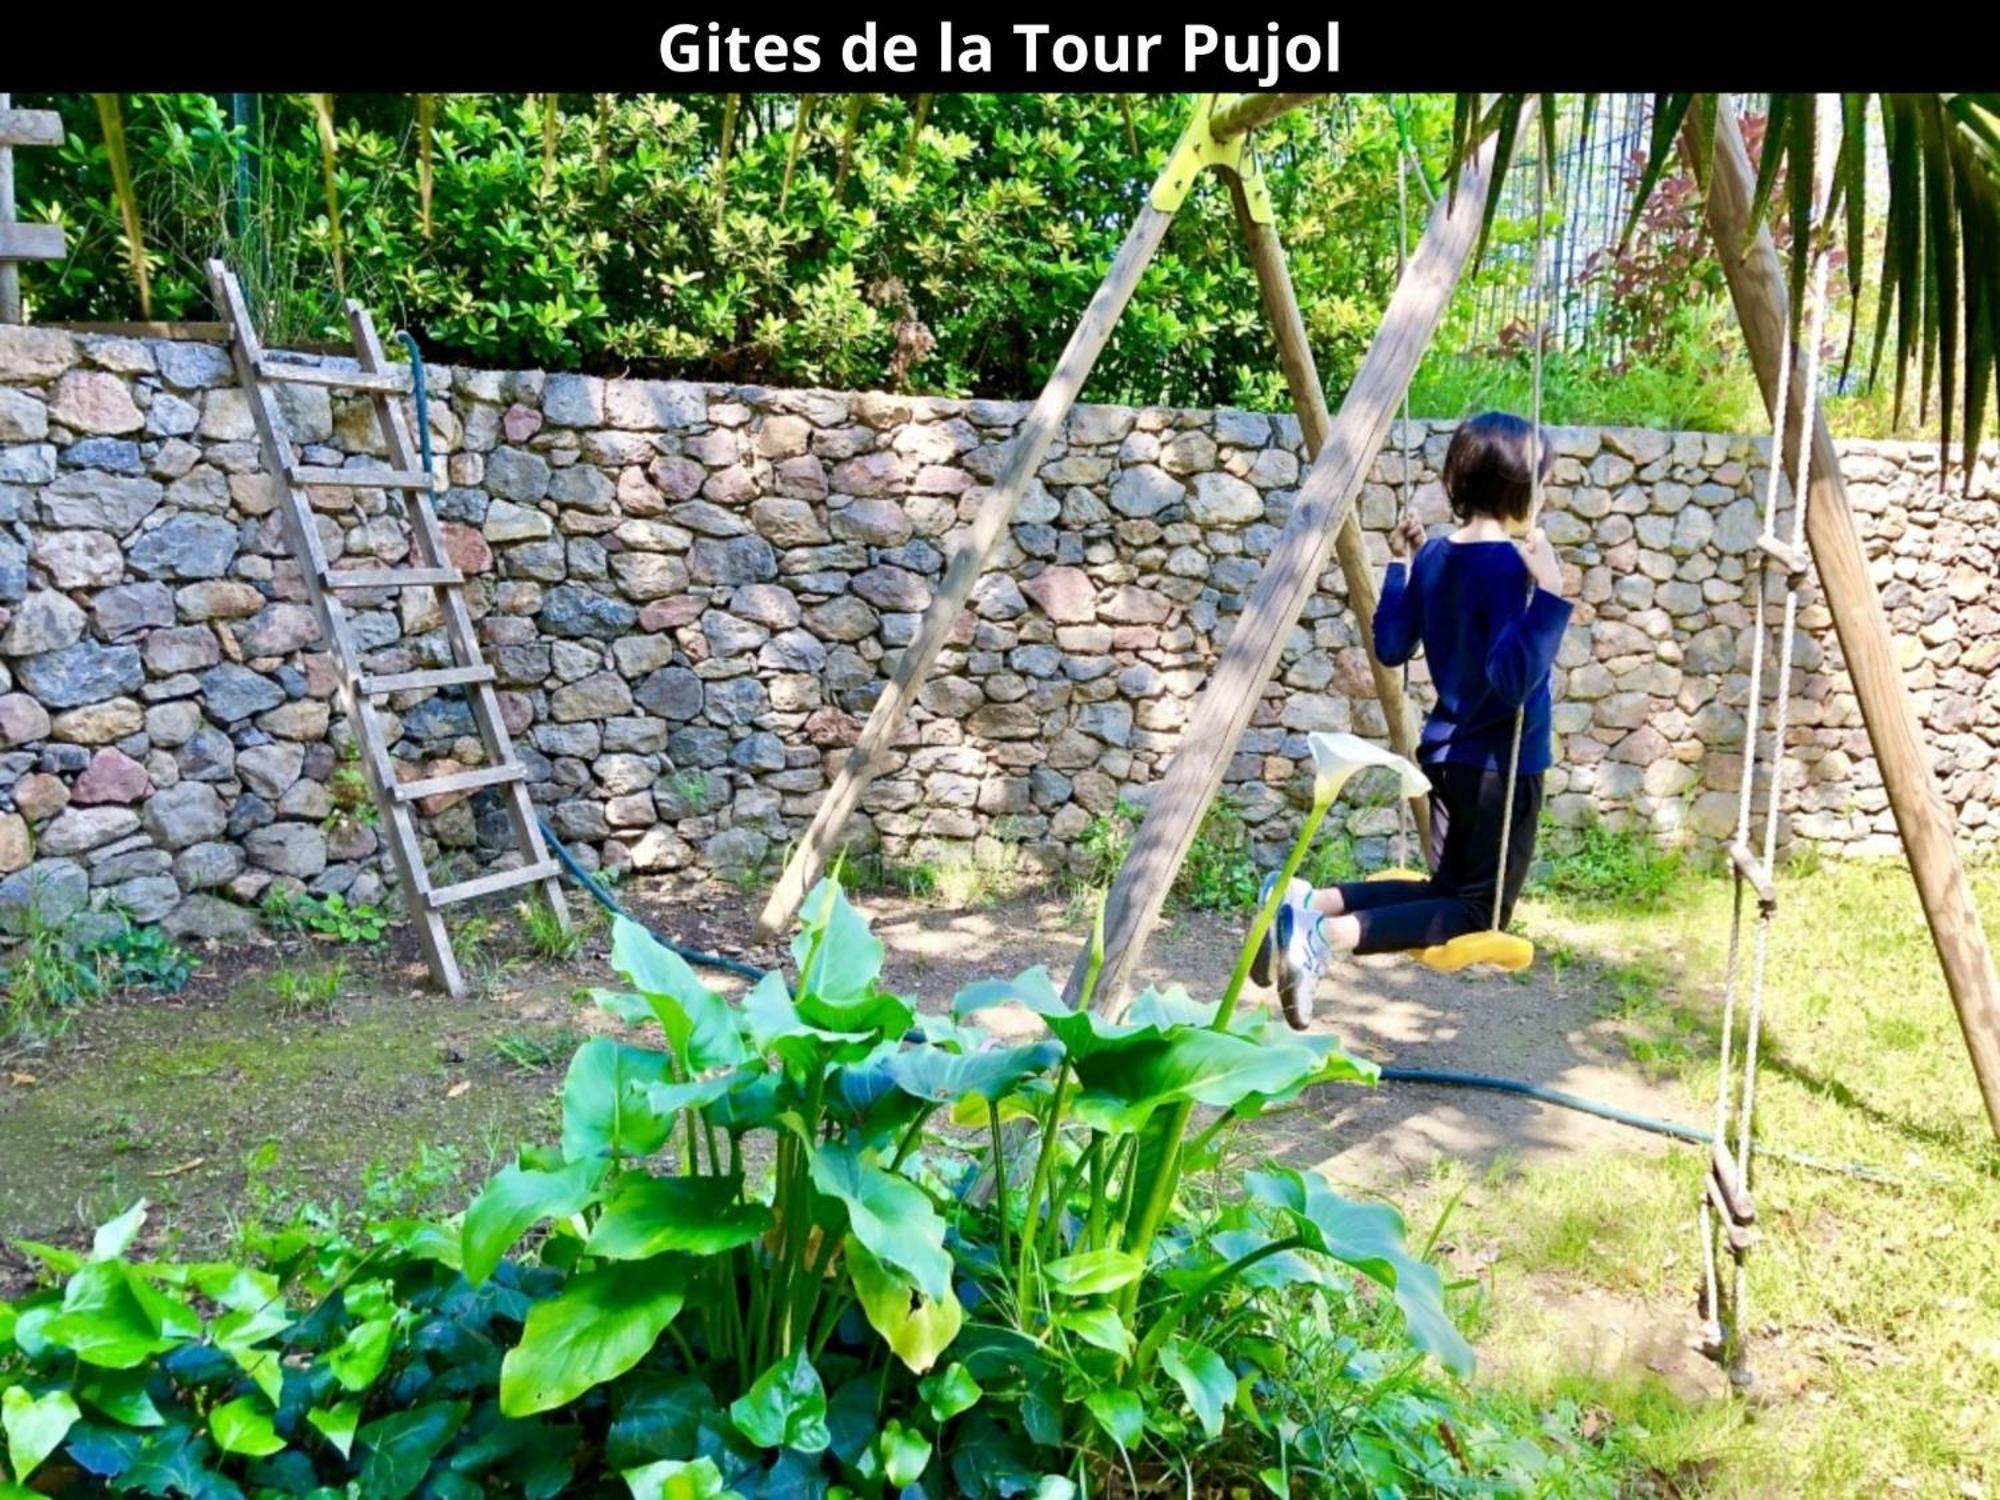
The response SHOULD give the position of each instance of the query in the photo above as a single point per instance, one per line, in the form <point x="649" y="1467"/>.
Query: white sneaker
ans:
<point x="1263" y="964"/>
<point x="1302" y="954"/>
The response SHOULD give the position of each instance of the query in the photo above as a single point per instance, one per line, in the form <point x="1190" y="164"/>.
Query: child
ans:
<point x="1490" y="639"/>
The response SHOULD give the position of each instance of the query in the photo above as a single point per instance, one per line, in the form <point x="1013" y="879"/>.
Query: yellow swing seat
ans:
<point x="1498" y="950"/>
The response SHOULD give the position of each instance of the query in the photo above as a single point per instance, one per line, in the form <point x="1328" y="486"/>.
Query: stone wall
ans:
<point x="692" y="593"/>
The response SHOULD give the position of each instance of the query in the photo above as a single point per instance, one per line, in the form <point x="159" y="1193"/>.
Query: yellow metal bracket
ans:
<point x="1197" y="150"/>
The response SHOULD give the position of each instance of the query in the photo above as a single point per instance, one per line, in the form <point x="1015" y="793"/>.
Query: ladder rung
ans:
<point x="31" y="242"/>
<point x="458" y="781"/>
<point x="30" y="127"/>
<point x="361" y="479"/>
<point x="432" y="677"/>
<point x="391" y="578"/>
<point x="1791" y="559"/>
<point x="1751" y="869"/>
<point x="393" y="382"/>
<point x="485" y="885"/>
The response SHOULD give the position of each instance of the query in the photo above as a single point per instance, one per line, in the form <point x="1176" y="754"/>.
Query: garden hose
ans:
<point x="700" y="957"/>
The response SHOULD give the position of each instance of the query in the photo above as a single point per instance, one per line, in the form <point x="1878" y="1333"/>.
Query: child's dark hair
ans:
<point x="1486" y="466"/>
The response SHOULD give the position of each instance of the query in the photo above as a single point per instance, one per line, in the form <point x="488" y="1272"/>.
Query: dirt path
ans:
<point x="1544" y="1027"/>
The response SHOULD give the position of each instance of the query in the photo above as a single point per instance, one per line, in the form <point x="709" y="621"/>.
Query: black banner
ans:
<point x="958" y="47"/>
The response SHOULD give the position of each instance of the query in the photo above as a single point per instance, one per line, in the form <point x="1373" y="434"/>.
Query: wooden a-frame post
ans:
<point x="1214" y="138"/>
<point x="1324" y="503"/>
<point x="1288" y="329"/>
<point x="1757" y="287"/>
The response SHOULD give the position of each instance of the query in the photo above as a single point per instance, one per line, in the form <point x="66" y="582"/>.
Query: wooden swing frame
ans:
<point x="1342" y="447"/>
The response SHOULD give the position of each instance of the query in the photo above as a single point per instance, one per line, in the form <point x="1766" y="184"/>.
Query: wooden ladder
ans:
<point x="259" y="371"/>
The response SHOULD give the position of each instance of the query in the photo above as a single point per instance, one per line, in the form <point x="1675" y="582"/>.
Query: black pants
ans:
<point x="1466" y="801"/>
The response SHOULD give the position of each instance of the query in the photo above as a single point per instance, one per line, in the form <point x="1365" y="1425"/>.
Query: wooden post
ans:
<point x="1288" y="329"/>
<point x="1757" y="286"/>
<point x="1290" y="575"/>
<point x="968" y="561"/>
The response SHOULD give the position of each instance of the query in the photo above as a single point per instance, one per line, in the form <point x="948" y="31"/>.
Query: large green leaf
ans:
<point x="399" y="1447"/>
<point x="1206" y="1381"/>
<point x="1090" y="1273"/>
<point x="784" y="1408"/>
<point x="950" y="1391"/>
<point x="1368" y="1237"/>
<point x="657" y="1416"/>
<point x="906" y="1453"/>
<point x="1082" y="1033"/>
<point x="35" y="1426"/>
<point x="944" y="1077"/>
<point x="362" y="1353"/>
<point x="515" y="1199"/>
<point x="1100" y="1327"/>
<point x="1119" y="1413"/>
<point x="337" y="1424"/>
<point x="645" y="1216"/>
<point x="1121" y="1087"/>
<point x="676" y="1479"/>
<point x="778" y="1027"/>
<point x="700" y="1027"/>
<point x="245" y="1426"/>
<point x="600" y="1325"/>
<point x="122" y="1396"/>
<point x="604" y="1104"/>
<point x="918" y="1328"/>
<point x="838" y="957"/>
<point x="112" y="1317"/>
<point x="889" y="1214"/>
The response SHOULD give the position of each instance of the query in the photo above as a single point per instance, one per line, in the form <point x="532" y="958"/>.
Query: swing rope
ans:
<point x="1534" y="516"/>
<point x="1404" y="830"/>
<point x="1726" y="1211"/>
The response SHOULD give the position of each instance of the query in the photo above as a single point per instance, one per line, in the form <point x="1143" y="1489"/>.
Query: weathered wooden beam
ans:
<point x="1290" y="575"/>
<point x="968" y="560"/>
<point x="1288" y="329"/>
<point x="1246" y="112"/>
<point x="1757" y="287"/>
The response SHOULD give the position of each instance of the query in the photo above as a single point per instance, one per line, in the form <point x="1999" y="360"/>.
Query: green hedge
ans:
<point x="962" y="274"/>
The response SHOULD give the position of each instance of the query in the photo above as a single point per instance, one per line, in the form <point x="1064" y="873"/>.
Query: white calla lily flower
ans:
<point x="1336" y="757"/>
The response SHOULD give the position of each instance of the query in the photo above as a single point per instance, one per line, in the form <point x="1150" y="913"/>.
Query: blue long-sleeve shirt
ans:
<point x="1490" y="645"/>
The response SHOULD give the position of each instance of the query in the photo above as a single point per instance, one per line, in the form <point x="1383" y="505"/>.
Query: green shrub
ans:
<point x="57" y="968"/>
<point x="1607" y="866"/>
<point x="331" y="916"/>
<point x="964" y="274"/>
<point x="1220" y="872"/>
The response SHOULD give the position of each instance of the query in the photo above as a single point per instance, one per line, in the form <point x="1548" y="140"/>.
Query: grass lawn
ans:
<point x="1874" y="1307"/>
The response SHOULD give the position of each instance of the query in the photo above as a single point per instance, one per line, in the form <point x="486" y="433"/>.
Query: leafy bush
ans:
<point x="58" y="967"/>
<point x="330" y="916"/>
<point x="802" y="1240"/>
<point x="1608" y="866"/>
<point x="1220" y="872"/>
